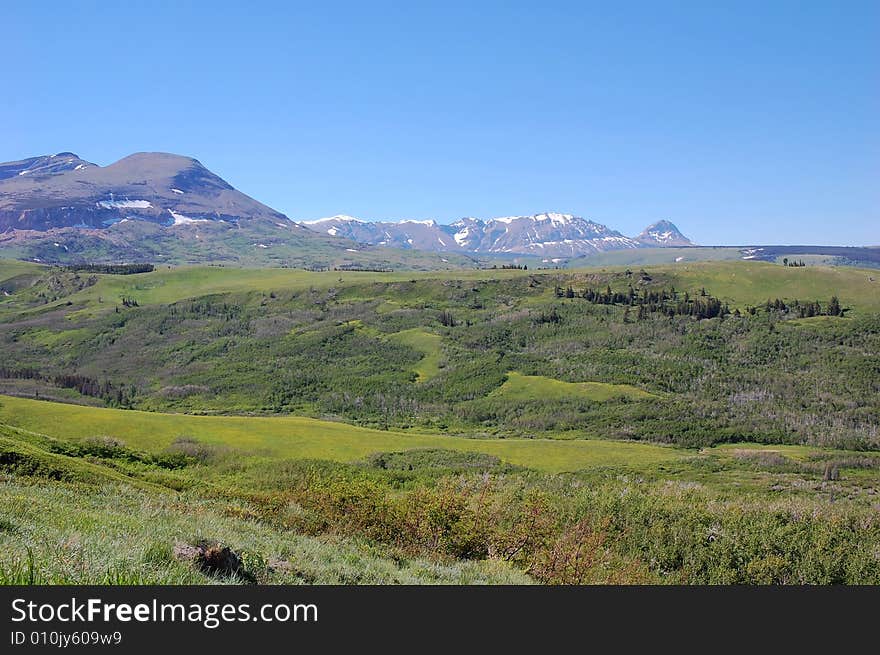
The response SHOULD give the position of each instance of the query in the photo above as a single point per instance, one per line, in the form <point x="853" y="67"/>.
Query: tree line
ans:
<point x="801" y="308"/>
<point x="85" y="386"/>
<point x="667" y="302"/>
<point x="112" y="269"/>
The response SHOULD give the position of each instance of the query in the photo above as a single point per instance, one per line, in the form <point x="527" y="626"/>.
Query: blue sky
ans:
<point x="742" y="122"/>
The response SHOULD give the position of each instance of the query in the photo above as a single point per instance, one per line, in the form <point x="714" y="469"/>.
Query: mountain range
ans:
<point x="550" y="234"/>
<point x="169" y="208"/>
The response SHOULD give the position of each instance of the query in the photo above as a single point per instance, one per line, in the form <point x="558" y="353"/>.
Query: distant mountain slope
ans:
<point x="551" y="235"/>
<point x="156" y="187"/>
<point x="163" y="207"/>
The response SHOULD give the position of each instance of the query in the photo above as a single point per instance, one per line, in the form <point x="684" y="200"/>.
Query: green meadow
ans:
<point x="429" y="345"/>
<point x="753" y="283"/>
<point x="290" y="437"/>
<point x="530" y="387"/>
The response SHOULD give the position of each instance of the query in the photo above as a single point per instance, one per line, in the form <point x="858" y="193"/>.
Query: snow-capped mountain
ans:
<point x="664" y="234"/>
<point x="549" y="234"/>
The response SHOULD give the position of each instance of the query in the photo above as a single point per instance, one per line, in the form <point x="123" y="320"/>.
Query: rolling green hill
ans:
<point x="487" y="426"/>
<point x="739" y="282"/>
<point x="431" y="351"/>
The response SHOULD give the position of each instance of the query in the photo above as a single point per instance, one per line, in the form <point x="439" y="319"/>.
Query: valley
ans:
<point x="691" y="422"/>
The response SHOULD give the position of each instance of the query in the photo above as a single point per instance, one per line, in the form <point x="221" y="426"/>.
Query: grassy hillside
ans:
<point x="430" y="352"/>
<point x="739" y="282"/>
<point x="752" y="283"/>
<point x="427" y="343"/>
<point x="859" y="257"/>
<point x="304" y="438"/>
<point x="67" y="520"/>
<point x="100" y="511"/>
<point x="12" y="267"/>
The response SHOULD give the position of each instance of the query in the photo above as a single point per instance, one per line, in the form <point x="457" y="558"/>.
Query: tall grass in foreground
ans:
<point x="62" y="533"/>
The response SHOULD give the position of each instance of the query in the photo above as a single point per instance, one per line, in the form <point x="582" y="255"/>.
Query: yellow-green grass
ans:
<point x="426" y="343"/>
<point x="16" y="275"/>
<point x="538" y="387"/>
<point x="795" y="452"/>
<point x="742" y="283"/>
<point x="297" y="437"/>
<point x="48" y="338"/>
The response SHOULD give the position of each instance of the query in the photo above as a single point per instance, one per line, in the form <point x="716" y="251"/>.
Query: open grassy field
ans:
<point x="426" y="343"/>
<point x="300" y="438"/>
<point x="90" y="534"/>
<point x="530" y="387"/>
<point x="754" y="282"/>
<point x="16" y="275"/>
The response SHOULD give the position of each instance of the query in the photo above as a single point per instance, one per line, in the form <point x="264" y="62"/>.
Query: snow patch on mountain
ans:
<point x="180" y="219"/>
<point x="124" y="204"/>
<point x="430" y="223"/>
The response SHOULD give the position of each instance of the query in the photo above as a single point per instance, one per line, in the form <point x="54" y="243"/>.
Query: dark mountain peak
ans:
<point x="663" y="233"/>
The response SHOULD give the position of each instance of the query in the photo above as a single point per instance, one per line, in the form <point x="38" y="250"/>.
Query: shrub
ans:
<point x="187" y="450"/>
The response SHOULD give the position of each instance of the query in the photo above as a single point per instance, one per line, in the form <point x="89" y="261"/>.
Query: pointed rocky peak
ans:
<point x="663" y="233"/>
